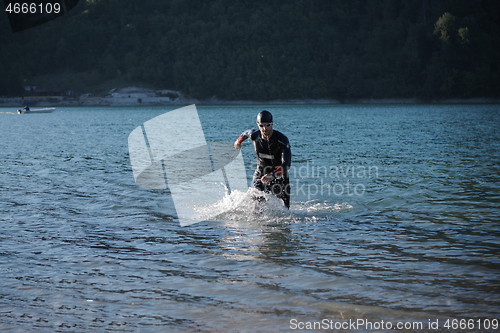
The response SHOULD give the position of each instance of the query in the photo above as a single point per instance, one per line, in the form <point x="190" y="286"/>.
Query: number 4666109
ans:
<point x="471" y="324"/>
<point x="33" y="8"/>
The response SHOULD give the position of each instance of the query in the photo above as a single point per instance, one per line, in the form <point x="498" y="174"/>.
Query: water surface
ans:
<point x="395" y="217"/>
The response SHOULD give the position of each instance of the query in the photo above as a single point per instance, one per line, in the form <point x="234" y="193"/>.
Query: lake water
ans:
<point x="394" y="219"/>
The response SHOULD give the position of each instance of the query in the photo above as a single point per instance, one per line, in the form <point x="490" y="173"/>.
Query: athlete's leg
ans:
<point x="257" y="183"/>
<point x="285" y="192"/>
<point x="281" y="188"/>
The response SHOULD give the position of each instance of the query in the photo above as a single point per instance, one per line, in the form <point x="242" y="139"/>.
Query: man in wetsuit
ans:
<point x="273" y="157"/>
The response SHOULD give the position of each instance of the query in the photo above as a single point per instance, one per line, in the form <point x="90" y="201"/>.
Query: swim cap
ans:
<point x="264" y="117"/>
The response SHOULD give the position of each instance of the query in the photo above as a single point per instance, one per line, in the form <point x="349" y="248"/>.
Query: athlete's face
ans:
<point x="266" y="129"/>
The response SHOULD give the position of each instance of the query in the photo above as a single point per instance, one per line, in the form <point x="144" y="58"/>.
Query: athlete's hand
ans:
<point x="266" y="179"/>
<point x="237" y="145"/>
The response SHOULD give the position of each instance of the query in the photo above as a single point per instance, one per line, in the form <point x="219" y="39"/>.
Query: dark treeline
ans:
<point x="270" y="49"/>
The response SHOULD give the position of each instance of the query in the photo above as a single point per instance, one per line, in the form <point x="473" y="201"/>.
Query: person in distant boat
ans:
<point x="26" y="109"/>
<point x="274" y="157"/>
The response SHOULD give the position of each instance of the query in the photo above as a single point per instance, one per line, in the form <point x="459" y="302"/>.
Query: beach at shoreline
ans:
<point x="133" y="96"/>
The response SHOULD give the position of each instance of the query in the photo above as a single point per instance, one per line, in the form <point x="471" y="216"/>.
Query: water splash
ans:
<point x="243" y="206"/>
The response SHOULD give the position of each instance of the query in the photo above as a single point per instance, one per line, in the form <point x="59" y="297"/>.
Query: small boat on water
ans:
<point x="46" y="110"/>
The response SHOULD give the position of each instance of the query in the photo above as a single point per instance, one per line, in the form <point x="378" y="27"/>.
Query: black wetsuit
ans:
<point x="271" y="154"/>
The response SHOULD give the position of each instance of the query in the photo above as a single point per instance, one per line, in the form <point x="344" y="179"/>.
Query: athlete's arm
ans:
<point x="286" y="153"/>
<point x="245" y="135"/>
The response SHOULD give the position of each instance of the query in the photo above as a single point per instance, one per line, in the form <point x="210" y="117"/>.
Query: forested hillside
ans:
<point x="269" y="49"/>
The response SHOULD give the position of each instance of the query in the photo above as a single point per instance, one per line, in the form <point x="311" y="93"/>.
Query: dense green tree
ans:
<point x="270" y="49"/>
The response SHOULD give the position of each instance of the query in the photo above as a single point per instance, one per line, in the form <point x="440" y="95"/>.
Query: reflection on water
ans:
<point x="83" y="248"/>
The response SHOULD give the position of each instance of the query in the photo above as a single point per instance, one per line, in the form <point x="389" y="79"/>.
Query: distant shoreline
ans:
<point x="355" y="101"/>
<point x="133" y="96"/>
<point x="17" y="102"/>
